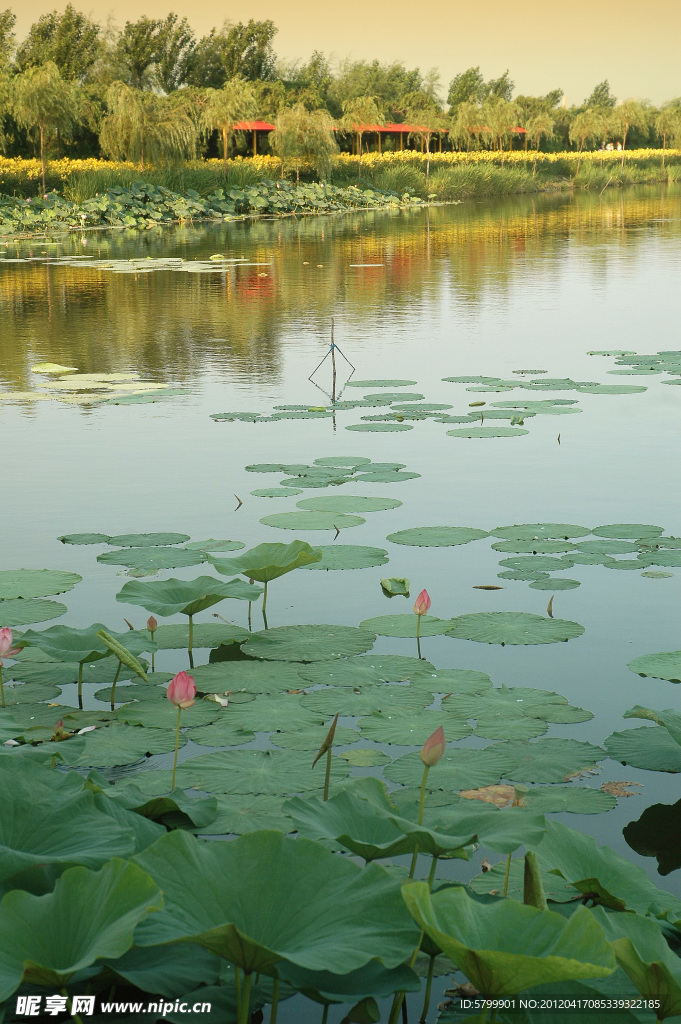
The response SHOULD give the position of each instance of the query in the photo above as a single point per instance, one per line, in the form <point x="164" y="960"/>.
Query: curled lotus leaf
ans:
<point x="437" y="536"/>
<point x="170" y="597"/>
<point x="309" y="643"/>
<point x="395" y="586"/>
<point x="268" y="562"/>
<point x="64" y="643"/>
<point x="513" y="628"/>
<point x="25" y="583"/>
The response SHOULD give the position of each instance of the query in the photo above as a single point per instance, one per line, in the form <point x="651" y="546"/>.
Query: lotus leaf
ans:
<point x="513" y="628"/>
<point x="115" y="745"/>
<point x="458" y="769"/>
<point x="268" y="562"/>
<point x="312" y="520"/>
<point x="533" y="547"/>
<point x="368" y="982"/>
<point x="161" y="971"/>
<point x="451" y="681"/>
<point x="257" y="771"/>
<point x="30" y="693"/>
<point x="274" y="714"/>
<point x="484" y="940"/>
<point x="363" y="701"/>
<point x="102" y="909"/>
<point x="539" y="563"/>
<point x="437" y="536"/>
<point x="651" y="574"/>
<point x="378" y="427"/>
<point x="252" y="676"/>
<point x="646" y="747"/>
<point x="385" y="476"/>
<point x="606" y="547"/>
<point x="312" y="738"/>
<point x="540" y="531"/>
<point x="23" y="611"/>
<point x="628" y="531"/>
<point x="571" y="799"/>
<point x="406" y="625"/>
<point x="145" y="540"/>
<point x="669" y="720"/>
<point x="408" y="728"/>
<point x="163" y="715"/>
<point x="550" y="760"/>
<point x="26" y="583"/>
<point x="395" y="586"/>
<point x="63" y="643"/>
<point x="611" y="389"/>
<point x="275" y="467"/>
<point x="655" y="834"/>
<point x="554" y="584"/>
<point x="152" y="558"/>
<point x="309" y="643"/>
<point x="85" y="538"/>
<point x="469" y="432"/>
<point x="348" y="556"/>
<point x="168" y="597"/>
<point x="359" y="671"/>
<point x="276" y="492"/>
<point x="526" y="575"/>
<point x="241" y="909"/>
<point x="206" y="634"/>
<point x="238" y="814"/>
<point x="175" y="810"/>
<point x="349" y="503"/>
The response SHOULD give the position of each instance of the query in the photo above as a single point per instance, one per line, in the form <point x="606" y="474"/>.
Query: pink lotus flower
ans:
<point x="422" y="603"/>
<point x="6" y="649"/>
<point x="434" y="747"/>
<point x="152" y="624"/>
<point x="181" y="690"/>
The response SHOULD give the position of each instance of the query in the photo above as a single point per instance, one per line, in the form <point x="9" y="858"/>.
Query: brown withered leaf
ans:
<point x="500" y="796"/>
<point x="486" y="586"/>
<point x="549" y="607"/>
<point x="620" y="788"/>
<point x="486" y="866"/>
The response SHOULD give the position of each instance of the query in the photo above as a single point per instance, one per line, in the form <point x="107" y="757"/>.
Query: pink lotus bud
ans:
<point x="152" y="624"/>
<point x="434" y="747"/>
<point x="6" y="649"/>
<point x="422" y="603"/>
<point x="181" y="690"/>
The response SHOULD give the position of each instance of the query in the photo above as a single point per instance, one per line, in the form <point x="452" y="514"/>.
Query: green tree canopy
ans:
<point x="303" y="135"/>
<point x="387" y="84"/>
<point x="226" y="107"/>
<point x="70" y="40"/>
<point x="143" y="126"/>
<point x="42" y="101"/>
<point x="588" y="124"/>
<point x="626" y="115"/>
<point x="601" y="96"/>
<point x="359" y="112"/>
<point x="174" y="53"/>
<point x="466" y="87"/>
<point x="241" y="50"/>
<point x="7" y="23"/>
<point x="137" y="51"/>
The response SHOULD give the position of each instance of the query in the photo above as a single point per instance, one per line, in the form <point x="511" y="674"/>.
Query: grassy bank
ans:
<point x="93" y="193"/>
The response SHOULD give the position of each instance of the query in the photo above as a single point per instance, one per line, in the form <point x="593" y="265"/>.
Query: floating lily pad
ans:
<point x="607" y="547"/>
<point x="513" y="628"/>
<point x="53" y="368"/>
<point x="30" y="693"/>
<point x="22" y="612"/>
<point x="348" y="503"/>
<point x="145" y="540"/>
<point x="570" y="799"/>
<point x="626" y="531"/>
<point x="362" y="670"/>
<point x="281" y="713"/>
<point x="309" y="643"/>
<point x="525" y="575"/>
<point x="469" y="432"/>
<point x="665" y="665"/>
<point x="406" y="625"/>
<point x="163" y="715"/>
<point x="540" y="531"/>
<point x="345" y="701"/>
<point x="152" y="558"/>
<point x="457" y="769"/>
<point x="554" y="583"/>
<point x="380" y="383"/>
<point x="409" y="728"/>
<point x="386" y="477"/>
<point x="436" y="536"/>
<point x="348" y="556"/>
<point x="343" y="461"/>
<point x="670" y="558"/>
<point x="276" y="492"/>
<point x="550" y="760"/>
<point x="226" y="732"/>
<point x="312" y="520"/>
<point x="611" y="389"/>
<point x="649" y="747"/>
<point x="312" y="737"/>
<point x="276" y="467"/>
<point x="451" y="681"/>
<point x="533" y="547"/>
<point x="24" y="583"/>
<point x="85" y="538"/>
<point x="653" y="575"/>
<point x="267" y="772"/>
<point x="215" y="545"/>
<point x="231" y="417"/>
<point x="116" y="744"/>
<point x="536" y="563"/>
<point x="377" y="427"/>
<point x="251" y="676"/>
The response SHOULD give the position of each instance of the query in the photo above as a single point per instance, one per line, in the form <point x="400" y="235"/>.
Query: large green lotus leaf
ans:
<point x="587" y="558"/>
<point x="312" y="738"/>
<point x="36" y="582"/>
<point x="163" y="714"/>
<point x="611" y="389"/>
<point x="537" y="562"/>
<point x="513" y="628"/>
<point x="665" y="665"/>
<point x="348" y="556"/>
<point x="485" y="940"/>
<point x="533" y="547"/>
<point x="162" y="971"/>
<point x="145" y="540"/>
<point x="570" y="799"/>
<point x="274" y="714"/>
<point x="85" y="538"/>
<point x="550" y="760"/>
<point x="437" y="536"/>
<point x="642" y="951"/>
<point x="385" y="476"/>
<point x="33" y="810"/>
<point x="312" y="520"/>
<point x="224" y="733"/>
<point x="609" y="880"/>
<point x="64" y="643"/>
<point x="30" y="693"/>
<point x="371" y="982"/>
<point x="206" y="634"/>
<point x="378" y="384"/>
<point x="406" y="625"/>
<point x="669" y="719"/>
<point x="309" y="643"/>
<point x="97" y="911"/>
<point x="22" y="611"/>
<point x="367" y="668"/>
<point x="174" y="811"/>
<point x="117" y="744"/>
<point x="257" y="771"/>
<point x="451" y="681"/>
<point x="649" y="747"/>
<point x="656" y="834"/>
<point x="469" y="432"/>
<point x="540" y="531"/>
<point x="170" y="597"/>
<point x="276" y="467"/>
<point x="350" y="462"/>
<point x="275" y="492"/>
<point x="152" y="558"/>
<point x="607" y="546"/>
<point x="458" y="769"/>
<point x="407" y="728"/>
<point x="240" y="905"/>
<point x="215" y="545"/>
<point x="60" y="673"/>
<point x="348" y="503"/>
<point x="268" y="562"/>
<point x="380" y="427"/>
<point x="515" y="702"/>
<point x="554" y="583"/>
<point x="155" y="690"/>
<point x="662" y="557"/>
<point x="240" y="813"/>
<point x="628" y="531"/>
<point x="492" y="882"/>
<point x="370" y="698"/>
<point x="252" y="676"/>
<point x="49" y="714"/>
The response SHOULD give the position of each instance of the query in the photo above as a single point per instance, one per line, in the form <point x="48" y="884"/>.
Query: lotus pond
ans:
<point x="187" y="488"/>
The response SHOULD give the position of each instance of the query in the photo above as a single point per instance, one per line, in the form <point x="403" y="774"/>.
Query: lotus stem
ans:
<point x="327" y="777"/>
<point x="415" y="854"/>
<point x="190" y="642"/>
<point x="244" y="1015"/>
<point x="418" y="635"/>
<point x="177" y="746"/>
<point x="74" y="1016"/>
<point x="426" y="997"/>
<point x="153" y="665"/>
<point x="2" y="689"/>
<point x="275" y="1001"/>
<point x="250" y="623"/>
<point x="264" y="599"/>
<point x="483" y="1015"/>
<point x="113" y="685"/>
<point x="431" y="873"/>
<point x="508" y="871"/>
<point x="80" y="685"/>
<point x="325" y="1013"/>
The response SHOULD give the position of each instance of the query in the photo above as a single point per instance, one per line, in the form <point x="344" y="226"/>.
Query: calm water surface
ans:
<point x="471" y="289"/>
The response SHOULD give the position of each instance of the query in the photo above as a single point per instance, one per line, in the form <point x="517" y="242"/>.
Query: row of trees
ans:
<point x="152" y="91"/>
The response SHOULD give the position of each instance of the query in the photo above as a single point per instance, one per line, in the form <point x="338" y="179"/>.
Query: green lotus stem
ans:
<point x="2" y="688"/>
<point x="113" y="685"/>
<point x="250" y="623"/>
<point x="431" y="874"/>
<point x="80" y="685"/>
<point x="418" y="635"/>
<point x="264" y="599"/>
<point x="244" y="1016"/>
<point x="483" y="1015"/>
<point x="398" y="999"/>
<point x="508" y="871"/>
<point x="325" y="1013"/>
<point x="153" y="666"/>
<point x="327" y="777"/>
<point x="177" y="746"/>
<point x="74" y="1016"/>
<point x="426" y="997"/>
<point x="414" y="858"/>
<point x="190" y="642"/>
<point x="275" y="1001"/>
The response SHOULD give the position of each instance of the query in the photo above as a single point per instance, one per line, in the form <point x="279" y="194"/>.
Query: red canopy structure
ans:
<point x="255" y="127"/>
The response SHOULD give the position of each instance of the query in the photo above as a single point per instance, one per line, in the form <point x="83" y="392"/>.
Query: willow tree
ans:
<point x="143" y="126"/>
<point x="586" y="125"/>
<point x="500" y="117"/>
<point x="464" y="125"/>
<point x="304" y="135"/>
<point x="538" y="127"/>
<point x="225" y="107"/>
<point x="668" y="124"/>
<point x="42" y="101"/>
<point x="626" y="115"/>
<point x="359" y="115"/>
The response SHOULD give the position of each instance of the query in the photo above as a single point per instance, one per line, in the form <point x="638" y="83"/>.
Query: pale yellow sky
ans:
<point x="572" y="46"/>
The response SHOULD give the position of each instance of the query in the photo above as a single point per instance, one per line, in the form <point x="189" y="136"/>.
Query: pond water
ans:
<point x="491" y="289"/>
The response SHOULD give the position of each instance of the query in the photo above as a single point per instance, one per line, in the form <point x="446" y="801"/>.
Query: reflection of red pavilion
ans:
<point x="254" y="127"/>
<point x="253" y="286"/>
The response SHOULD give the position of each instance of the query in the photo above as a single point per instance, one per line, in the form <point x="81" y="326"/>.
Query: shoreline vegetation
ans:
<point x="87" y="194"/>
